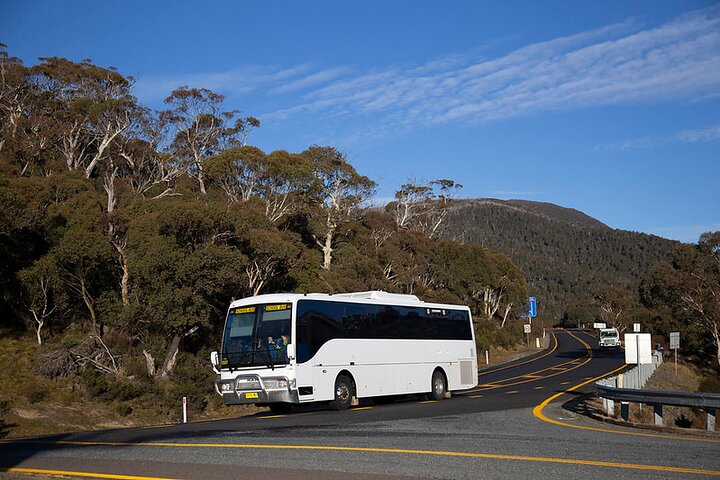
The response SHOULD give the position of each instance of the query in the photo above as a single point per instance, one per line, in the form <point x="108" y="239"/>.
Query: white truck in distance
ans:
<point x="609" y="338"/>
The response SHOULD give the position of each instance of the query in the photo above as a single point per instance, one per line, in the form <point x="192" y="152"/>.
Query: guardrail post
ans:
<point x="624" y="411"/>
<point x="657" y="410"/>
<point x="710" y="422"/>
<point x="611" y="408"/>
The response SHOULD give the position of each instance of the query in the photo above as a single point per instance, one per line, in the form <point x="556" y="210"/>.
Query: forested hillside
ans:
<point x="125" y="233"/>
<point x="566" y="255"/>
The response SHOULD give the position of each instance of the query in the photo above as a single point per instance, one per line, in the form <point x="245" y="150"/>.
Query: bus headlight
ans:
<point x="275" y="383"/>
<point x="226" y="387"/>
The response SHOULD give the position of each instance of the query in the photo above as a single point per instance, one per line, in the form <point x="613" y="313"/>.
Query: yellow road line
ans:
<point x="271" y="416"/>
<point x="538" y="412"/>
<point x="526" y="362"/>
<point x="475" y="396"/>
<point x="361" y="408"/>
<point x="557" y="368"/>
<point x="501" y="383"/>
<point x="567" y="461"/>
<point x="429" y="401"/>
<point x="78" y="474"/>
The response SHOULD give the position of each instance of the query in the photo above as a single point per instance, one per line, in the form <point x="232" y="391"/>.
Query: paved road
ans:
<point x="504" y="428"/>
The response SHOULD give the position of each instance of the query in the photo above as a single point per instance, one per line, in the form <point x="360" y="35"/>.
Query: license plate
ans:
<point x="251" y="395"/>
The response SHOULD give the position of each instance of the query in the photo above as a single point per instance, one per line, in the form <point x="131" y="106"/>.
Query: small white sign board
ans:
<point x="638" y="348"/>
<point x="674" y="340"/>
<point x="526" y="328"/>
<point x="636" y="327"/>
<point x="599" y="325"/>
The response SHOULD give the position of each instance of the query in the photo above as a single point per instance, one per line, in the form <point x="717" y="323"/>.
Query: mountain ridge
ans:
<point x="565" y="253"/>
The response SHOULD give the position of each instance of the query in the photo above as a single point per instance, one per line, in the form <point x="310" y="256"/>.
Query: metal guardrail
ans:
<point x="627" y="388"/>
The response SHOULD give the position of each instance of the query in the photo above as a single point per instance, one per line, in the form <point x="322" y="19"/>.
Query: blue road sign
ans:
<point x="533" y="307"/>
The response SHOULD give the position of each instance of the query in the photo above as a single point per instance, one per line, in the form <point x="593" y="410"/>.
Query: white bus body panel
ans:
<point x="379" y="367"/>
<point x="388" y="367"/>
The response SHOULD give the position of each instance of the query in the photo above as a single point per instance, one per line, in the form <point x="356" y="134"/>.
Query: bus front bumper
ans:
<point x="249" y="389"/>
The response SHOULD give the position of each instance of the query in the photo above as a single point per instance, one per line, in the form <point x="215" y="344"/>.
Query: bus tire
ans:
<point x="438" y="386"/>
<point x="344" y="393"/>
<point x="280" y="408"/>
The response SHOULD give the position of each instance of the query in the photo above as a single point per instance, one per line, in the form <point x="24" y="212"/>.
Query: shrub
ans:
<point x="34" y="392"/>
<point x="710" y="384"/>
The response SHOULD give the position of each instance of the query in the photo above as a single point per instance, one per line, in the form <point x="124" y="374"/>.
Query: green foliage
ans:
<point x="686" y="292"/>
<point x="127" y="232"/>
<point x="564" y="254"/>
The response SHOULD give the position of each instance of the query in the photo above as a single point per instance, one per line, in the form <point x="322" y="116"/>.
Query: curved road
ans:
<point x="510" y="426"/>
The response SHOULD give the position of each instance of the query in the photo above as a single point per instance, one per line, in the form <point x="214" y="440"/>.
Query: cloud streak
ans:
<point x="701" y="135"/>
<point x="617" y="64"/>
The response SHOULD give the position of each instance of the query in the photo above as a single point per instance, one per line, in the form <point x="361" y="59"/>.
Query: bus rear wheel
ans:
<point x="439" y="386"/>
<point x="344" y="393"/>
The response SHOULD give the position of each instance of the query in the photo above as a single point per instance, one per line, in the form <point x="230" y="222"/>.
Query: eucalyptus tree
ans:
<point x="338" y="193"/>
<point x="423" y="206"/>
<point x="90" y="106"/>
<point x="281" y="179"/>
<point x="43" y="294"/>
<point x="202" y="129"/>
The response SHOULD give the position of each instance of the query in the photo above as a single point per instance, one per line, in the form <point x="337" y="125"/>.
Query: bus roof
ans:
<point x="373" y="297"/>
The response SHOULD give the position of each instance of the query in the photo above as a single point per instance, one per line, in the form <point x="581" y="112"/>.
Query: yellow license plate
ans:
<point x="251" y="395"/>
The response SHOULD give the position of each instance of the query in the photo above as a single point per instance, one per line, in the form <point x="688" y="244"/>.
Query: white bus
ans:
<point x="285" y="349"/>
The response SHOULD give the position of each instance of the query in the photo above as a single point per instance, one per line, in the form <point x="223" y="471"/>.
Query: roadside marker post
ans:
<point x="527" y="327"/>
<point x="184" y="403"/>
<point x="487" y="358"/>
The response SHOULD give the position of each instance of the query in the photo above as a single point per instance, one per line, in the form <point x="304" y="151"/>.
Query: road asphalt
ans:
<point x="500" y="429"/>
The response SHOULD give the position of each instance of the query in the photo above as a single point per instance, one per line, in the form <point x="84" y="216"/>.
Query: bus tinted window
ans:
<point x="321" y="321"/>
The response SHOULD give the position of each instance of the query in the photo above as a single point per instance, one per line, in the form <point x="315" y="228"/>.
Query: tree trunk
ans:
<point x="171" y="356"/>
<point x="149" y="364"/>
<point x="89" y="304"/>
<point x="327" y="250"/>
<point x="716" y="338"/>
<point x="39" y="324"/>
<point x="125" y="279"/>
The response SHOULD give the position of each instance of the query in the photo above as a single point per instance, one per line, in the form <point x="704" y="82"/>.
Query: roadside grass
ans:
<point x="31" y="405"/>
<point x="688" y="378"/>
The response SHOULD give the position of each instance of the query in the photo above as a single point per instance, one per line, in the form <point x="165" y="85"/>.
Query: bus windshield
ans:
<point x="257" y="335"/>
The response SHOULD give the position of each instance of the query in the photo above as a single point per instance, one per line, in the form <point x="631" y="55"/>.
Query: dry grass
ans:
<point x="31" y="405"/>
<point x="687" y="379"/>
<point x="500" y="355"/>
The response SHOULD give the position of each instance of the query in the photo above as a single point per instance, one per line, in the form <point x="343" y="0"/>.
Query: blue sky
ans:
<point x="612" y="107"/>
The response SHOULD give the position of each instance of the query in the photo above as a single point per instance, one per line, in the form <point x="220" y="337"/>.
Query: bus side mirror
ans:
<point x="215" y="360"/>
<point x="291" y="351"/>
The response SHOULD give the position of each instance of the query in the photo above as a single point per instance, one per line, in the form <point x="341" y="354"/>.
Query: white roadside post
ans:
<point x="184" y="409"/>
<point x="487" y="358"/>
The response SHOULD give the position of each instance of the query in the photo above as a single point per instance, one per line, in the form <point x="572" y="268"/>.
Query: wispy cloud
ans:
<point x="618" y="64"/>
<point x="707" y="134"/>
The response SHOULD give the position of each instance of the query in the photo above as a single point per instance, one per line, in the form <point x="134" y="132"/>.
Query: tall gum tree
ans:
<point x="339" y="191"/>
<point x="202" y="129"/>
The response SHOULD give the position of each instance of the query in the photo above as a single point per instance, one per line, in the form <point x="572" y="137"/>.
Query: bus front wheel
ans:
<point x="439" y="386"/>
<point x="344" y="392"/>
